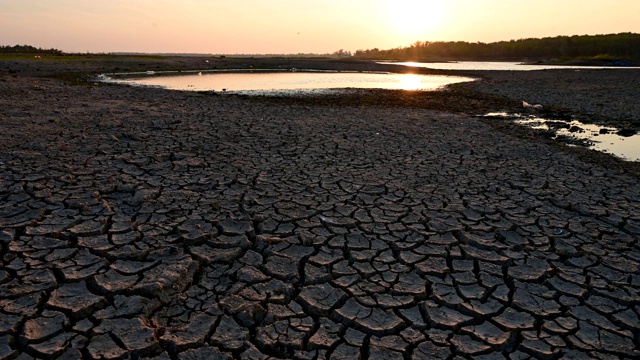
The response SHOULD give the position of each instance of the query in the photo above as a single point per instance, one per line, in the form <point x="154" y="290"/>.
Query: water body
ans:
<point x="601" y="138"/>
<point x="278" y="82"/>
<point x="493" y="65"/>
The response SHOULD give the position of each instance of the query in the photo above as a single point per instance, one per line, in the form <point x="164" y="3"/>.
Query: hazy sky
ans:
<point x="298" y="26"/>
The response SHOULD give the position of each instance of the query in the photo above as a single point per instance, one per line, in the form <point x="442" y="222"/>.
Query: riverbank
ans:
<point x="152" y="223"/>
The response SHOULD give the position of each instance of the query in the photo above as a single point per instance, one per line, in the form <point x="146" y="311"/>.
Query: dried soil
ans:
<point x="146" y="223"/>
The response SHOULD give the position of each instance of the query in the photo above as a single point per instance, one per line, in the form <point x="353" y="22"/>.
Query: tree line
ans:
<point x="623" y="46"/>
<point x="27" y="49"/>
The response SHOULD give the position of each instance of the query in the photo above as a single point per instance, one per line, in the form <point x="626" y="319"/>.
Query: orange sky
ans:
<point x="297" y="26"/>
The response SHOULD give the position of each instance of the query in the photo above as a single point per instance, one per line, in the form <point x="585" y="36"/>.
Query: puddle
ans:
<point x="276" y="82"/>
<point x="624" y="144"/>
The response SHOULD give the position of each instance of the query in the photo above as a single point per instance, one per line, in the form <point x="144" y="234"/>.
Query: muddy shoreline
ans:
<point x="147" y="223"/>
<point x="601" y="96"/>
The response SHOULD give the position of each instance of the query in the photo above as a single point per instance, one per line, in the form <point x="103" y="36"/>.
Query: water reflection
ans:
<point x="410" y="82"/>
<point x="623" y="144"/>
<point x="299" y="80"/>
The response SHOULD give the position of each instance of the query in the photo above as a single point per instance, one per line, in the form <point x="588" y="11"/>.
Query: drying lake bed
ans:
<point x="150" y="223"/>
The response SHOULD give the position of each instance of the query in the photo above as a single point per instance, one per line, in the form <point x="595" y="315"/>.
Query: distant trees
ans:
<point x="624" y="46"/>
<point x="28" y="49"/>
<point x="341" y="53"/>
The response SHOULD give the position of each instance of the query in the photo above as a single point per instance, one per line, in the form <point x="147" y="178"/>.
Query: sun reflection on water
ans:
<point x="410" y="82"/>
<point x="298" y="81"/>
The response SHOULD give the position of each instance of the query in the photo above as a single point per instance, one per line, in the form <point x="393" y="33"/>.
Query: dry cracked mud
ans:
<point x="157" y="224"/>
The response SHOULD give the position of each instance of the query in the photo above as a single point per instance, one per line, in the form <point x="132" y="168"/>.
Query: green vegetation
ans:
<point x="623" y="46"/>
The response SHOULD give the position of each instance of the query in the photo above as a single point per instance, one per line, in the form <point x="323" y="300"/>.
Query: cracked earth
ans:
<point x="155" y="224"/>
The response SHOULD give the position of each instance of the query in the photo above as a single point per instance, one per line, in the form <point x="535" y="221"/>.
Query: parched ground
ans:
<point x="156" y="224"/>
<point x="603" y="95"/>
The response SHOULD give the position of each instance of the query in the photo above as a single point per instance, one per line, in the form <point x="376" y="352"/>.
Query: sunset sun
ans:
<point x="414" y="19"/>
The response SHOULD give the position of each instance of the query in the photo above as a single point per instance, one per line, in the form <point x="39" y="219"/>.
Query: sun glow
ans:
<point x="410" y="82"/>
<point x="416" y="19"/>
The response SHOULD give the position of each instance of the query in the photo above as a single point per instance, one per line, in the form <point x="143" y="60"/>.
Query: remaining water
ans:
<point x="495" y="65"/>
<point x="269" y="82"/>
<point x="600" y="138"/>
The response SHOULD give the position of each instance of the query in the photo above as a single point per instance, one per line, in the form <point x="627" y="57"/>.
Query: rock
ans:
<point x="626" y="132"/>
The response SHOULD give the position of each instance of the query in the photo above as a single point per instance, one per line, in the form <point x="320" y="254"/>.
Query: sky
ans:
<point x="298" y="26"/>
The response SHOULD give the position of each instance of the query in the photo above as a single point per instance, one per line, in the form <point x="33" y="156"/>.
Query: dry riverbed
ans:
<point x="147" y="223"/>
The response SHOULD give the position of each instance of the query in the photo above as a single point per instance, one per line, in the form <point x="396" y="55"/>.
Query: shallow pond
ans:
<point x="276" y="82"/>
<point x="624" y="144"/>
<point x="493" y="65"/>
